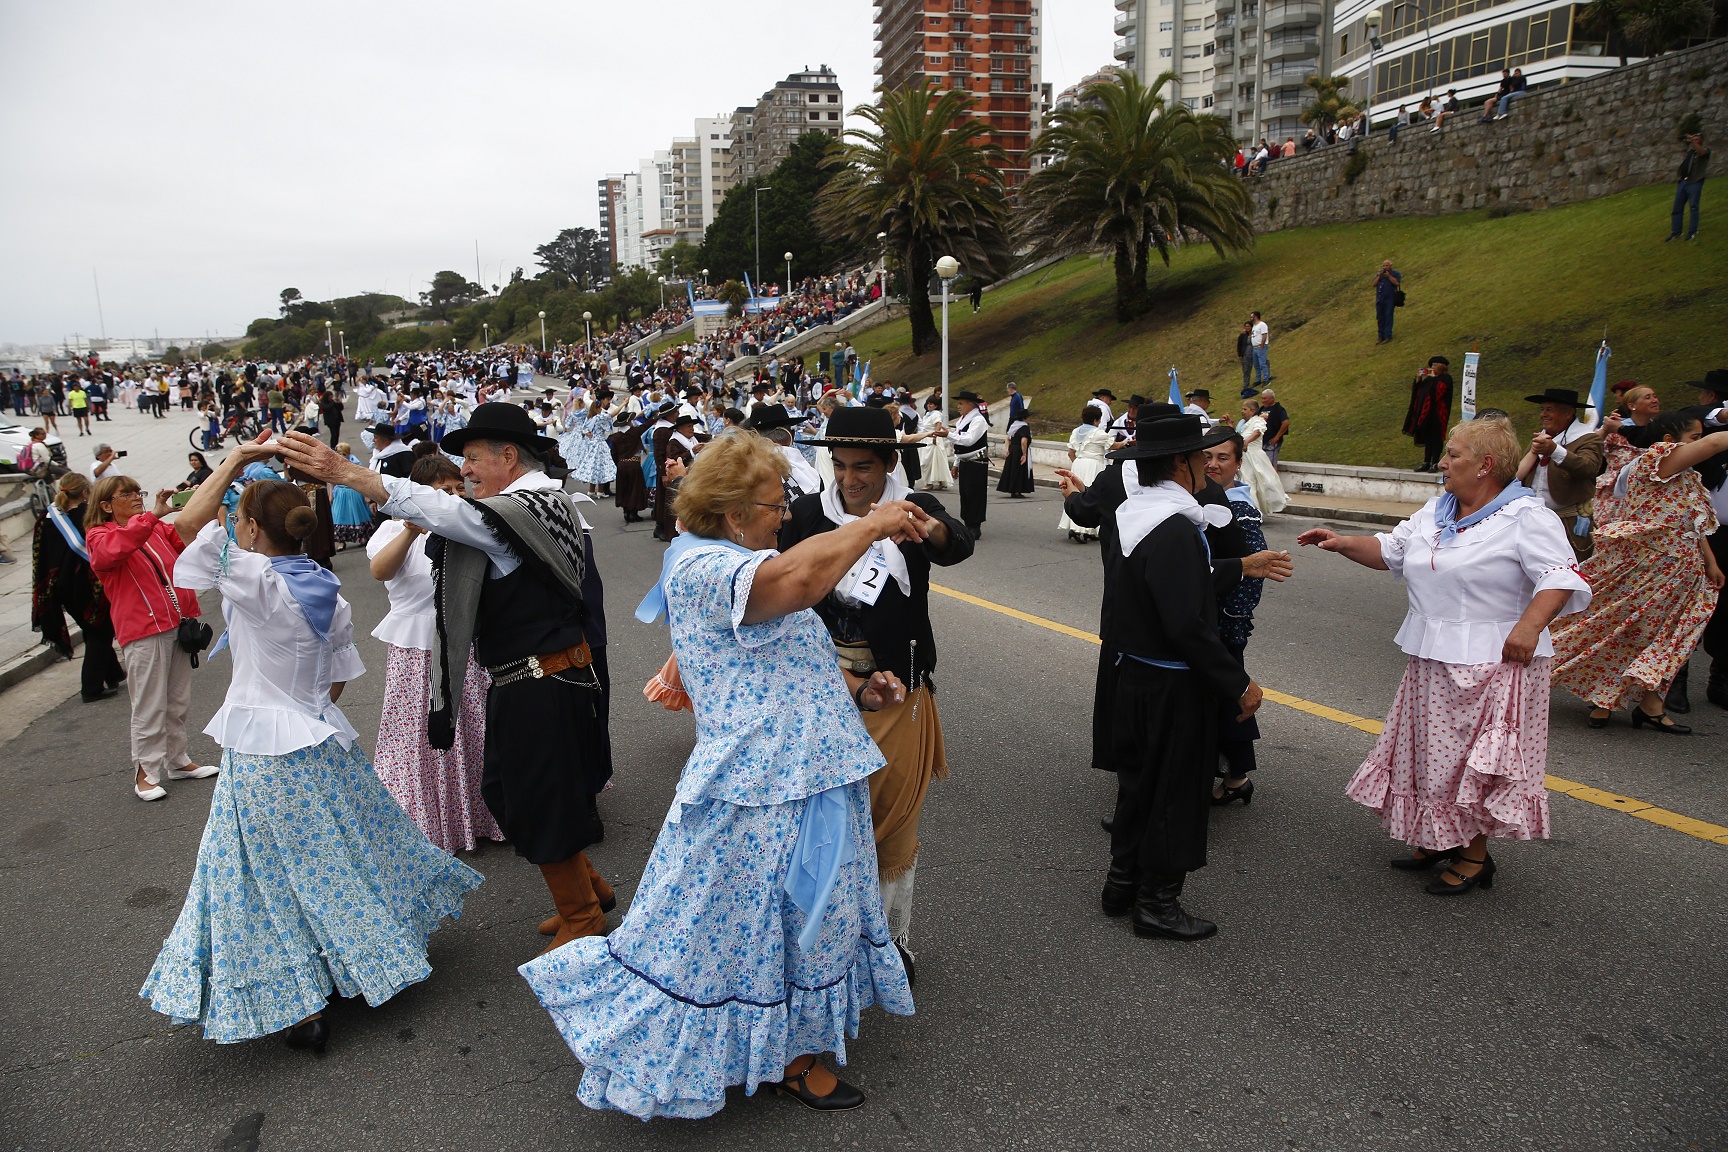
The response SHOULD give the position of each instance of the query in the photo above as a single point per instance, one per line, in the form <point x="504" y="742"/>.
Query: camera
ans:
<point x="122" y="452"/>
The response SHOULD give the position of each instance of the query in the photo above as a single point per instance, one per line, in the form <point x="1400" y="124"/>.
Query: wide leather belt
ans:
<point x="857" y="659"/>
<point x="538" y="667"/>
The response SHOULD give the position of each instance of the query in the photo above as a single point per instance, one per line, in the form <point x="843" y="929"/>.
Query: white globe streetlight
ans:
<point x="947" y="268"/>
<point x="588" y="328"/>
<point x="542" y="333"/>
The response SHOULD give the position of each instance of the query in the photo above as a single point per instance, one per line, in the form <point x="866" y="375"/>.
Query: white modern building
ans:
<point x="1426" y="48"/>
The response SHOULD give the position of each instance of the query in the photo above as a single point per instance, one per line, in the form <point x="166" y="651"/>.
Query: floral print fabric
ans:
<point x="440" y="790"/>
<point x="1651" y="601"/>
<point x="1464" y="753"/>
<point x="309" y="880"/>
<point x="704" y="986"/>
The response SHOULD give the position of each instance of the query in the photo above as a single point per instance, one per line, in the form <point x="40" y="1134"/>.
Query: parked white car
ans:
<point x="13" y="437"/>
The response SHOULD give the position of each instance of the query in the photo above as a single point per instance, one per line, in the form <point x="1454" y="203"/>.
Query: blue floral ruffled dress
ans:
<point x="310" y="878"/>
<point x="704" y="985"/>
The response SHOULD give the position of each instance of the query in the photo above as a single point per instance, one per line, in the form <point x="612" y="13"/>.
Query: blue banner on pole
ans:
<point x="1599" y="384"/>
<point x="1175" y="388"/>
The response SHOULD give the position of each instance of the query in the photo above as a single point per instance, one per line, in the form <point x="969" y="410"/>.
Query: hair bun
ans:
<point x="300" y="522"/>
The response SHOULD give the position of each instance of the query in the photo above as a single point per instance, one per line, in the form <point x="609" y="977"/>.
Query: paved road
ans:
<point x="1578" y="1005"/>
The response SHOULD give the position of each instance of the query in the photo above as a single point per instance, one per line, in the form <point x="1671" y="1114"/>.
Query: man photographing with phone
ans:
<point x="106" y="462"/>
<point x="1690" y="189"/>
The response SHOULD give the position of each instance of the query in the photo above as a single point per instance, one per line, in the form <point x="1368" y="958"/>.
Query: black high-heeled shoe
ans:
<point x="1422" y="863"/>
<point x="1243" y="792"/>
<point x="842" y="1098"/>
<point x="1599" y="721"/>
<point x="313" y="1034"/>
<point x="1641" y="718"/>
<point x="1484" y="878"/>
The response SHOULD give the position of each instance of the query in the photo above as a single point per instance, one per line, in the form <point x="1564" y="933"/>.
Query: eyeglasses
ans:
<point x="784" y="508"/>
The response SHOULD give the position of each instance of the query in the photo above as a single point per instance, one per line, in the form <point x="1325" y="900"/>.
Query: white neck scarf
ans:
<point x="892" y="558"/>
<point x="1146" y="508"/>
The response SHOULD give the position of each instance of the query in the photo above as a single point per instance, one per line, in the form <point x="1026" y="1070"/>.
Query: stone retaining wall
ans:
<point x="1568" y="143"/>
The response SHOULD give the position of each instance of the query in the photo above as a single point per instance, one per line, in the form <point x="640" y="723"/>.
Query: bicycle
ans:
<point x="41" y="496"/>
<point x="241" y="426"/>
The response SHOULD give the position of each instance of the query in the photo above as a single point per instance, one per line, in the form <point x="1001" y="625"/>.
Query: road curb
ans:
<point x="1353" y="515"/>
<point x="33" y="660"/>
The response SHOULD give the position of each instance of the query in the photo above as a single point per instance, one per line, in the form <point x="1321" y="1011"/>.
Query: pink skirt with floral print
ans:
<point x="1464" y="753"/>
<point x="439" y="790"/>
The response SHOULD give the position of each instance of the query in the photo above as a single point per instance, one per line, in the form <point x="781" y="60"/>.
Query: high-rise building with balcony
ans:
<point x="1243" y="60"/>
<point x="1434" y="45"/>
<point x="991" y="49"/>
<point x="807" y="101"/>
<point x="701" y="177"/>
<point x="611" y="213"/>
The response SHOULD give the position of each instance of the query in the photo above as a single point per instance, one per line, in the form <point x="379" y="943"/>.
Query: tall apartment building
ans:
<point x="990" y="48"/>
<point x="611" y="214"/>
<point x="1463" y="44"/>
<point x="1230" y="58"/>
<point x="805" y="101"/>
<point x="701" y="177"/>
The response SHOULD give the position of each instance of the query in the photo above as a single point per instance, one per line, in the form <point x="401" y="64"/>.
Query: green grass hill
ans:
<point x="1533" y="290"/>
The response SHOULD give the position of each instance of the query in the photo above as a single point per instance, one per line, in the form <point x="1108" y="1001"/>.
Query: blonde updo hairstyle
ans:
<point x="724" y="478"/>
<point x="1492" y="436"/>
<point x="284" y="517"/>
<point x="73" y="489"/>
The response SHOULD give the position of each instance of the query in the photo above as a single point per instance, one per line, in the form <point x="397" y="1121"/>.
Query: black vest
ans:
<point x="524" y="614"/>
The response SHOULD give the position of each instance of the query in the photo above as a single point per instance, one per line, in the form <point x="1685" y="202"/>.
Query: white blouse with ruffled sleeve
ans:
<point x="1467" y="594"/>
<point x="279" y="696"/>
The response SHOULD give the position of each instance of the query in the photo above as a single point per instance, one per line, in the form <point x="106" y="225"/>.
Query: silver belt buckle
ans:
<point x="860" y="667"/>
<point x="534" y="667"/>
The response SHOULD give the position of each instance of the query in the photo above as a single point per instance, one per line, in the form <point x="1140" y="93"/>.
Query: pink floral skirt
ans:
<point x="439" y="790"/>
<point x="1464" y="753"/>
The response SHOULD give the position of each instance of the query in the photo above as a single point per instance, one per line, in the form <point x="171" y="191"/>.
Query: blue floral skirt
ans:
<point x="309" y="878"/>
<point x="704" y="986"/>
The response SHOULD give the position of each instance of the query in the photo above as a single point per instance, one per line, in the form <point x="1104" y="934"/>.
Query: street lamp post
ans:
<point x="662" y="293"/>
<point x="1371" y="22"/>
<point x="946" y="268"/>
<point x="588" y="330"/>
<point x="329" y="338"/>
<point x="756" y="201"/>
<point x="787" y="291"/>
<point x="542" y="333"/>
<point x="342" y="343"/>
<point x="485" y="335"/>
<point x="704" y="278"/>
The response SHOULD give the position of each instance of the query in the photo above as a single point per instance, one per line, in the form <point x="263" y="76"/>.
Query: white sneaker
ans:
<point x="154" y="792"/>
<point x="193" y="773"/>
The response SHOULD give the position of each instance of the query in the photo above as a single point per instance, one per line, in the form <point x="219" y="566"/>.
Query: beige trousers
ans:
<point x="159" y="681"/>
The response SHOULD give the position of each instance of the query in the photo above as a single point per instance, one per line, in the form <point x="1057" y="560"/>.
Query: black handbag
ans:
<point x="1398" y="298"/>
<point x="193" y="635"/>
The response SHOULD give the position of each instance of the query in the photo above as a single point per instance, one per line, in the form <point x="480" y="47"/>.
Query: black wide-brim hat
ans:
<point x="1104" y="394"/>
<point x="499" y="421"/>
<point x="1200" y="392"/>
<point x="1170" y="433"/>
<point x="1715" y="380"/>
<point x="969" y="397"/>
<point x="383" y="429"/>
<point x="1567" y="396"/>
<point x="767" y="417"/>
<point x="859" y="428"/>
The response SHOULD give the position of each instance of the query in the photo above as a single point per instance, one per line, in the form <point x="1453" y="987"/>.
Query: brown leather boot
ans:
<point x="602" y="890"/>
<point x="572" y="889"/>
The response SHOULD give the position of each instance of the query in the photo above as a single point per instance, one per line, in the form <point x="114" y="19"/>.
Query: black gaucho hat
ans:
<point x="767" y="417"/>
<point x="969" y="397"/>
<point x="1170" y="432"/>
<point x="499" y="421"/>
<point x="1566" y="396"/>
<point x="383" y="429"/>
<point x="858" y="428"/>
<point x="1715" y="380"/>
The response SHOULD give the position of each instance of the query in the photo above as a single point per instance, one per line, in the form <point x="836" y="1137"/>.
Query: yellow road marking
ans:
<point x="1702" y="829"/>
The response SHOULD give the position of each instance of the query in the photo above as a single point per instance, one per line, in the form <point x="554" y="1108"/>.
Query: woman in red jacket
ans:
<point x="132" y="552"/>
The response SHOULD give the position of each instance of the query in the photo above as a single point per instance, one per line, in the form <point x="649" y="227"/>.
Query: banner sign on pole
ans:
<point x="1467" y="398"/>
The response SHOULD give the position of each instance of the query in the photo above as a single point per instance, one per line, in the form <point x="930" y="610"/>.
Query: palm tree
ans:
<point x="921" y="176"/>
<point x="1126" y="172"/>
<point x="734" y="295"/>
<point x="1329" y="105"/>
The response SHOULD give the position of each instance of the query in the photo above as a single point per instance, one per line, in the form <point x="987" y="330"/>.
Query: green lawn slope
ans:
<point x="1533" y="290"/>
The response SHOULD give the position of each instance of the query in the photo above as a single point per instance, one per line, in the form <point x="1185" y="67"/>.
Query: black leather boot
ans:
<point x="1716" y="688"/>
<point x="1121" y="885"/>
<point x="1159" y="912"/>
<point x="1677" y="700"/>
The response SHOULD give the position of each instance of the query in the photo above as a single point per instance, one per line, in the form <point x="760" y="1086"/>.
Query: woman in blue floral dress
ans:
<point x="310" y="879"/>
<point x="756" y="937"/>
<point x="590" y="437"/>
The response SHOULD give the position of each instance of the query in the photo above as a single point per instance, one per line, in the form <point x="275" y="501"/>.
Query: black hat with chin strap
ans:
<point x="1169" y="432"/>
<point x="498" y="421"/>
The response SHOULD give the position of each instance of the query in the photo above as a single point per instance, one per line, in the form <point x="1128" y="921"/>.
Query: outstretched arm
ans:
<point x="1365" y="550"/>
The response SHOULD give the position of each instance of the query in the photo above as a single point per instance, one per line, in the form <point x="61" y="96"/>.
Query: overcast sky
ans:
<point x="201" y="156"/>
